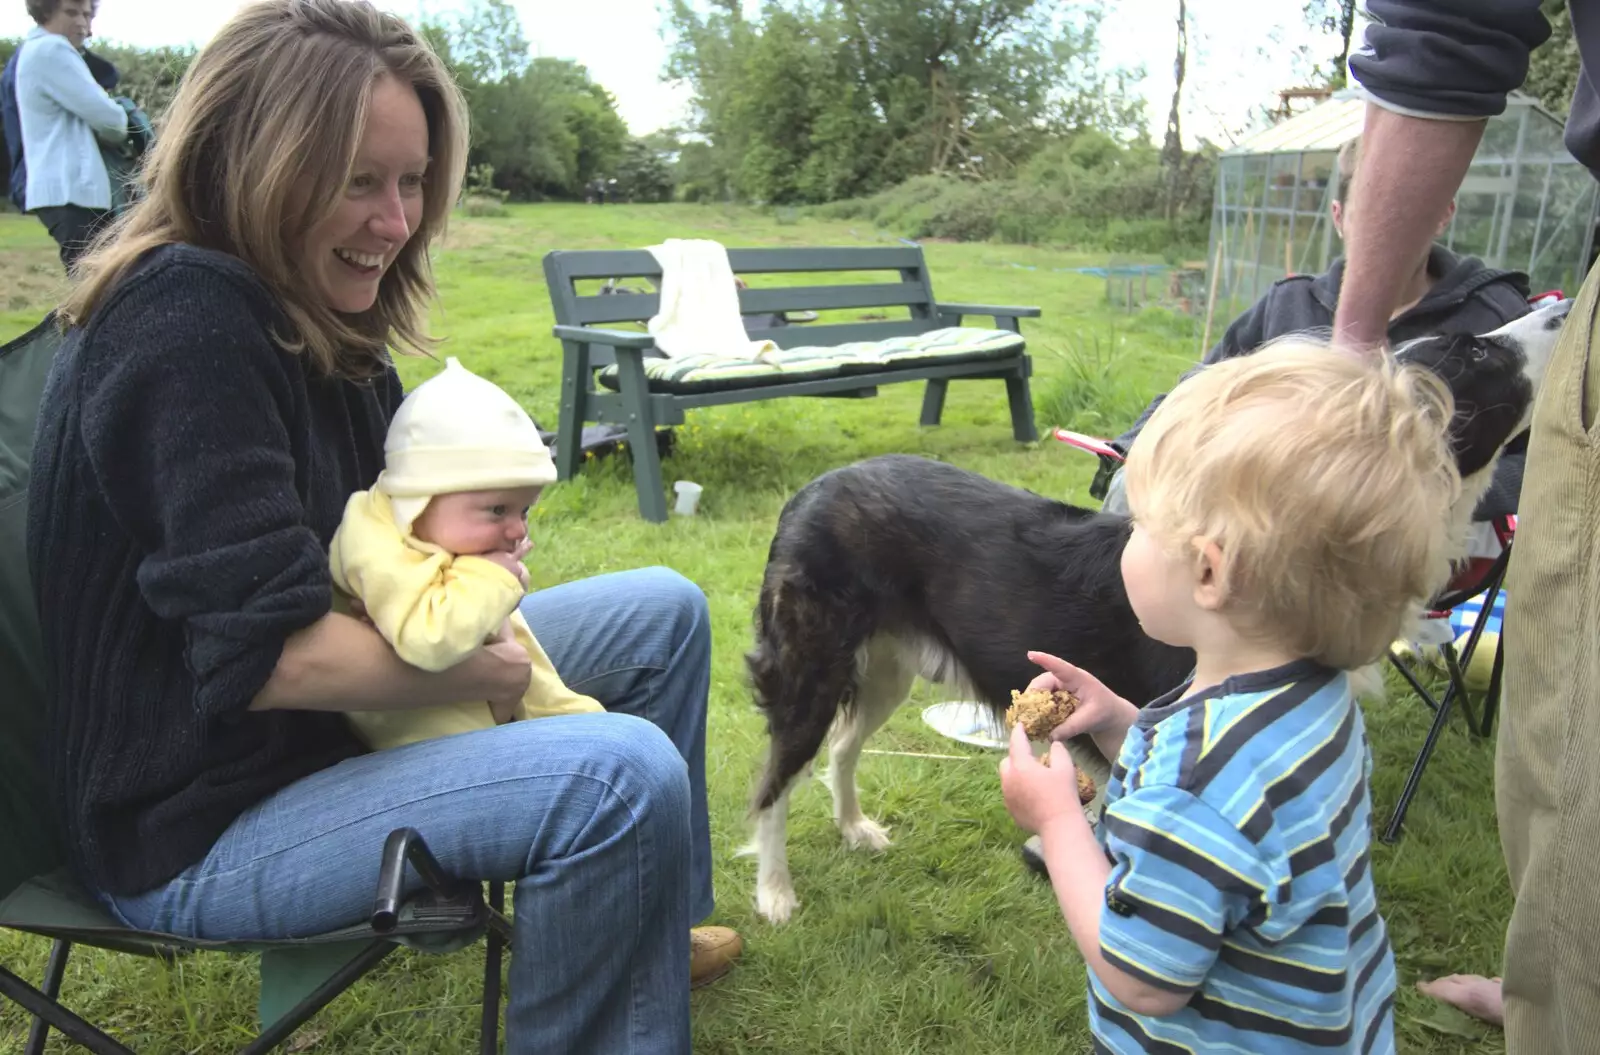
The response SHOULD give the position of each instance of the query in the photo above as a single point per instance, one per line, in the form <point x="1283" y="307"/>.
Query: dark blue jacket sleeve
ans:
<point x="1447" y="58"/>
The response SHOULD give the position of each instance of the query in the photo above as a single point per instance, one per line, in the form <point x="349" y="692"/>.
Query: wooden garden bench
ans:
<point x="618" y="376"/>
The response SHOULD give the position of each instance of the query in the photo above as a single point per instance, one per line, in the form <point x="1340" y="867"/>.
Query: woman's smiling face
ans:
<point x="345" y="256"/>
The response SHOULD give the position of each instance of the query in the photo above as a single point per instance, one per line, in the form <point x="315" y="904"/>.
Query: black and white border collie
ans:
<point x="898" y="567"/>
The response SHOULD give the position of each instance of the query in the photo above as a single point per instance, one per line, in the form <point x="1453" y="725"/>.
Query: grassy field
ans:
<point x="942" y="944"/>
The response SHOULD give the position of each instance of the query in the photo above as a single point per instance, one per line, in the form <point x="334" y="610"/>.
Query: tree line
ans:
<point x="541" y="127"/>
<point x="958" y="118"/>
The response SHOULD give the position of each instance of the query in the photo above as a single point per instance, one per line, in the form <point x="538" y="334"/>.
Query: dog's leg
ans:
<point x="775" y="898"/>
<point x="802" y="669"/>
<point x="882" y="687"/>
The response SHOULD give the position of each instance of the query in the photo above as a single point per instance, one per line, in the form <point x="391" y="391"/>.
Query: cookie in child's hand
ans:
<point x="1085" y="782"/>
<point x="1040" y="710"/>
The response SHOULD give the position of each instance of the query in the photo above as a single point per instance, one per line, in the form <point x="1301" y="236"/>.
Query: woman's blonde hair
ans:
<point x="1326" y="481"/>
<point x="281" y="94"/>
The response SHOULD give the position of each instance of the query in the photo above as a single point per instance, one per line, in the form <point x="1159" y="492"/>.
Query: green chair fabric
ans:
<point x="27" y="835"/>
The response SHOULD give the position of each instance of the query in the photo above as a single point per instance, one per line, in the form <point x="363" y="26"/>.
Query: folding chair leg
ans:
<point x="1416" y="684"/>
<point x="489" y="1033"/>
<point x="54" y="969"/>
<point x="1458" y="679"/>
<point x="1491" y="699"/>
<point x="63" y="1021"/>
<point x="1414" y="778"/>
<point x="297" y="1016"/>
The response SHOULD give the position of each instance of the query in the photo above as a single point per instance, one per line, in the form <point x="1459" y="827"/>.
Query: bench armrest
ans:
<point x="998" y="311"/>
<point x="614" y="338"/>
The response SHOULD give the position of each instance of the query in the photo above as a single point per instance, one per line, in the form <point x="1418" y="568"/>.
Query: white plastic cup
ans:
<point x="688" y="497"/>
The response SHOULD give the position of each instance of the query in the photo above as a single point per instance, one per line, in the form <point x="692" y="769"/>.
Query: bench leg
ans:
<point x="641" y="435"/>
<point x="574" y="397"/>
<point x="933" y="400"/>
<point x="1021" y="398"/>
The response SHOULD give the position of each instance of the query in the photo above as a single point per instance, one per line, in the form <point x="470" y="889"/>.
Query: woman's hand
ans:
<point x="506" y="669"/>
<point x="1100" y="713"/>
<point x="1038" y="795"/>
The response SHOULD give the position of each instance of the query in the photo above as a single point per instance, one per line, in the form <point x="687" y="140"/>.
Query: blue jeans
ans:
<point x="599" y="819"/>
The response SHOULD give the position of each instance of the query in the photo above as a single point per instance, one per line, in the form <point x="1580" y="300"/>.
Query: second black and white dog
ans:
<point x="898" y="567"/>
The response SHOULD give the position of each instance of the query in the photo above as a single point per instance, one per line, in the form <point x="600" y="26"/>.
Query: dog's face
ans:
<point x="1493" y="378"/>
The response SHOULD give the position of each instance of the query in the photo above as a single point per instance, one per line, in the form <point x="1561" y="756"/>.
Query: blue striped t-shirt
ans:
<point x="1237" y="823"/>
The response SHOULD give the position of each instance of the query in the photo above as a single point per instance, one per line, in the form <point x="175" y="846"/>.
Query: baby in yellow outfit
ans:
<point x="433" y="551"/>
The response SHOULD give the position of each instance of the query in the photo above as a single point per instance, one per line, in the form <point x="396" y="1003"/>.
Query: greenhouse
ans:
<point x="1525" y="203"/>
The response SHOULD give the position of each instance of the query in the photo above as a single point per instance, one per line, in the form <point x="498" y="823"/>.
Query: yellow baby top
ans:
<point x="434" y="608"/>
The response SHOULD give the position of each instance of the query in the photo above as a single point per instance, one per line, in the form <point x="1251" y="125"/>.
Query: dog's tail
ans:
<point x="803" y="669"/>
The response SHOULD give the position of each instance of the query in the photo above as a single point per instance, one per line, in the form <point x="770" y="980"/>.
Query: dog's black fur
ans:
<point x="899" y="566"/>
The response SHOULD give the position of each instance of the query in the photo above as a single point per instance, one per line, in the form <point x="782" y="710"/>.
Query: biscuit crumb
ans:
<point x="1040" y="711"/>
<point x="1085" y="783"/>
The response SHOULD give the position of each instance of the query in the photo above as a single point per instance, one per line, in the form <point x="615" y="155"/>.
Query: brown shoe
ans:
<point x="712" y="951"/>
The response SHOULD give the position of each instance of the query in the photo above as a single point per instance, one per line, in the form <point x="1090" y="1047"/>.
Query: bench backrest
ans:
<point x="909" y="296"/>
<point x="28" y="841"/>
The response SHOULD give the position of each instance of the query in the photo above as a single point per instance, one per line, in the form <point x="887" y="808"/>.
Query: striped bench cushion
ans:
<point x="688" y="374"/>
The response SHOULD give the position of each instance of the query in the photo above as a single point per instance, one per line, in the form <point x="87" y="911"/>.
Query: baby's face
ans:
<point x="477" y="522"/>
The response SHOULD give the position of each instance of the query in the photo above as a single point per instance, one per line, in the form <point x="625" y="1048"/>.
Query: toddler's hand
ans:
<point x="1098" y="707"/>
<point x="1037" y="794"/>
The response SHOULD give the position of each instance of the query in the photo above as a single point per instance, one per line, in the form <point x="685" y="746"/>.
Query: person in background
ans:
<point x="1440" y="293"/>
<point x="63" y="116"/>
<point x="1433" y="72"/>
<point x="105" y="74"/>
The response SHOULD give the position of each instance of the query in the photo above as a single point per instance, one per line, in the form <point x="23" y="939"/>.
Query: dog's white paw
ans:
<point x="864" y="833"/>
<point x="776" y="901"/>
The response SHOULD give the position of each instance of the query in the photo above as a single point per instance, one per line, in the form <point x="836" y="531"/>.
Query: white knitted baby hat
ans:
<point x="459" y="432"/>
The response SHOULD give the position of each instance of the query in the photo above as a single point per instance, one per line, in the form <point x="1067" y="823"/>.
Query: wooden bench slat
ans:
<point x="824" y="298"/>
<point x="617" y="307"/>
<point x="638" y="307"/>
<point x="641" y="263"/>
<point x="826" y="335"/>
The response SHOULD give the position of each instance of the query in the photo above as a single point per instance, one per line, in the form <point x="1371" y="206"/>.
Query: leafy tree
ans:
<point x="1337" y="18"/>
<point x="643" y="173"/>
<point x="542" y="125"/>
<point x="1553" y="67"/>
<point x="821" y="99"/>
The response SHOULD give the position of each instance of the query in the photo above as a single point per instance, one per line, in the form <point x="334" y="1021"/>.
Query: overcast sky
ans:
<point x="1242" y="51"/>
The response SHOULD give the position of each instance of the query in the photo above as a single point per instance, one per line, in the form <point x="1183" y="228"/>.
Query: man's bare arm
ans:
<point x="1410" y="168"/>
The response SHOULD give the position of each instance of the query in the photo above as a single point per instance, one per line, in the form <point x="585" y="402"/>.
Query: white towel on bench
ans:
<point x="699" y="312"/>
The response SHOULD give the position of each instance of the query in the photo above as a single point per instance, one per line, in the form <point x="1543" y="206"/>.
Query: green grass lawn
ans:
<point x="942" y="944"/>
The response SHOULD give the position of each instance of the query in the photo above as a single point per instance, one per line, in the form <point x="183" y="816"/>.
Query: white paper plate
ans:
<point x="969" y="722"/>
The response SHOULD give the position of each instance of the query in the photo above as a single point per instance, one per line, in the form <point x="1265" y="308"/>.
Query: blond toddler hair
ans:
<point x="1327" y="483"/>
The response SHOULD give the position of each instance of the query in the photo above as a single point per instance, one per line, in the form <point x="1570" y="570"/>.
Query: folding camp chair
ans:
<point x="1478" y="577"/>
<point x="298" y="977"/>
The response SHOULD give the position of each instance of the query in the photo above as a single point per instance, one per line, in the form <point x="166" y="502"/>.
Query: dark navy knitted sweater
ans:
<point x="187" y="478"/>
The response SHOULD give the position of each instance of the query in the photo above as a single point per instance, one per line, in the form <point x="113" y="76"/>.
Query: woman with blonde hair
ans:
<point x="224" y="386"/>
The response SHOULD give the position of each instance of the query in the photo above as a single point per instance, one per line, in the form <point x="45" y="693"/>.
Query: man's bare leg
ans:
<point x="1473" y="993"/>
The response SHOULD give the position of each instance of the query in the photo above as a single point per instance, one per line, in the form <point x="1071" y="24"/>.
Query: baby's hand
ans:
<point x="512" y="563"/>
